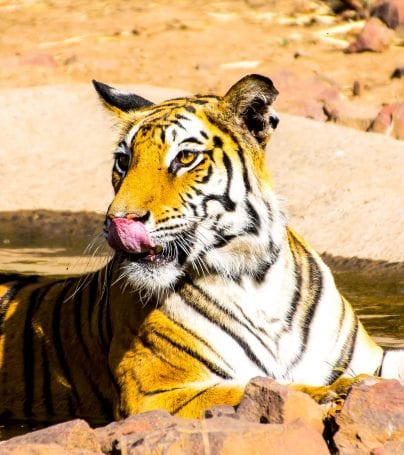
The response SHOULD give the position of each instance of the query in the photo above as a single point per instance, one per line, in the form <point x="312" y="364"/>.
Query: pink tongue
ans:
<point x="129" y="235"/>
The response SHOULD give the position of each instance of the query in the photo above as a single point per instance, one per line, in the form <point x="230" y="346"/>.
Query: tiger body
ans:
<point x="208" y="287"/>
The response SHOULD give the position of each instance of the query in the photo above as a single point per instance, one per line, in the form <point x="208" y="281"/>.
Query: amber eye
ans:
<point x="122" y="161"/>
<point x="183" y="159"/>
<point x="186" y="157"/>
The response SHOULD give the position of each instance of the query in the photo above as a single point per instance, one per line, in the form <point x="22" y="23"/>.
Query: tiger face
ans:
<point x="192" y="192"/>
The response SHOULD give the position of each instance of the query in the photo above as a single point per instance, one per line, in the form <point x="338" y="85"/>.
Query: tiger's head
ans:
<point x="192" y="191"/>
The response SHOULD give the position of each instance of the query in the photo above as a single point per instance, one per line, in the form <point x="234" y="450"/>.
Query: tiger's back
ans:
<point x="208" y="286"/>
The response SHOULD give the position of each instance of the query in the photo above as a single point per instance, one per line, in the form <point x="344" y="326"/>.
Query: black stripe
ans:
<point x="92" y="295"/>
<point x="73" y="398"/>
<point x="10" y="277"/>
<point x="191" y="399"/>
<point x="346" y="354"/>
<point x="229" y="170"/>
<point x="261" y="273"/>
<point x="254" y="219"/>
<point x="207" y="176"/>
<point x="192" y="140"/>
<point x="342" y="315"/>
<point x="217" y="142"/>
<point x="101" y="316"/>
<point x="240" y="341"/>
<point x="158" y="391"/>
<point x="209" y="365"/>
<point x="245" y="172"/>
<point x="35" y="301"/>
<point x="316" y="285"/>
<point x="47" y="383"/>
<point x="379" y="369"/>
<point x="201" y="340"/>
<point x="157" y="353"/>
<point x="77" y="320"/>
<point x="105" y="404"/>
<point x="297" y="295"/>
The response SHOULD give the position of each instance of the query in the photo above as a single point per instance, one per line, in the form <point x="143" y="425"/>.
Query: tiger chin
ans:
<point x="208" y="288"/>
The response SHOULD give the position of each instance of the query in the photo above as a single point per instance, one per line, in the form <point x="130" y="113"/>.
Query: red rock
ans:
<point x="266" y="401"/>
<point x="225" y="436"/>
<point x="70" y="437"/>
<point x="373" y="414"/>
<point x="304" y="96"/>
<point x="391" y="12"/>
<point x="138" y="425"/>
<point x="36" y="449"/>
<point x="390" y="121"/>
<point x="375" y="36"/>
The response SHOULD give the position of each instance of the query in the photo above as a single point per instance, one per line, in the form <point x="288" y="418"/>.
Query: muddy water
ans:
<point x="53" y="243"/>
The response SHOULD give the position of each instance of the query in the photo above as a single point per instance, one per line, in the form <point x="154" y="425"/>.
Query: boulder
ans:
<point x="390" y="121"/>
<point x="224" y="436"/>
<point x="375" y="36"/>
<point x="266" y="401"/>
<point x="135" y="427"/>
<point x="73" y="437"/>
<point x="371" y="418"/>
<point x="391" y="12"/>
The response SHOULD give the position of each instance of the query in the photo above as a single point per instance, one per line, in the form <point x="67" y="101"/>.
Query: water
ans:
<point x="378" y="299"/>
<point x="376" y="292"/>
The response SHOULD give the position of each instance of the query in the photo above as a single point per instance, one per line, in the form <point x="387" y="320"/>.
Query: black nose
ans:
<point x="273" y="120"/>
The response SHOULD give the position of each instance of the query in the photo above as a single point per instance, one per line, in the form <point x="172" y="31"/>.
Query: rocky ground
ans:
<point x="271" y="418"/>
<point x="333" y="60"/>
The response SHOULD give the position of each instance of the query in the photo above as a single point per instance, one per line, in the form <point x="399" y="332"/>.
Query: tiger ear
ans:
<point x="117" y="101"/>
<point x="251" y="99"/>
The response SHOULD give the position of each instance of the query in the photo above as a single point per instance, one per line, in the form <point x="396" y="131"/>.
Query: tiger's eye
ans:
<point x="185" y="158"/>
<point x="122" y="162"/>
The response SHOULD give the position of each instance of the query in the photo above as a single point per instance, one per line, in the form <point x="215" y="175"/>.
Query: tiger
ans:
<point x="207" y="288"/>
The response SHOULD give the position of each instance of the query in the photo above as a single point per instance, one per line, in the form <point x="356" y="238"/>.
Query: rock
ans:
<point x="390" y="121"/>
<point x="38" y="449"/>
<point x="375" y="36"/>
<point x="391" y="12"/>
<point x="221" y="411"/>
<point x="224" y="436"/>
<point x="266" y="401"/>
<point x="355" y="114"/>
<point x="304" y="96"/>
<point x="373" y="415"/>
<point x="138" y="425"/>
<point x="398" y="73"/>
<point x="70" y="437"/>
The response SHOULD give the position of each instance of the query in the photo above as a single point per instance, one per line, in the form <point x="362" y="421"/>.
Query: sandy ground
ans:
<point x="342" y="188"/>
